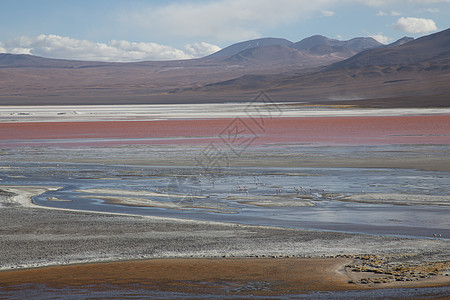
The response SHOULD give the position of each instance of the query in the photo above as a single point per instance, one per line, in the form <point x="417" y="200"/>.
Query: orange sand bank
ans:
<point x="206" y="275"/>
<point x="237" y="276"/>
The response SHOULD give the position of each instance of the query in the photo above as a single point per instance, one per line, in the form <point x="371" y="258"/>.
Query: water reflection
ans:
<point x="314" y="198"/>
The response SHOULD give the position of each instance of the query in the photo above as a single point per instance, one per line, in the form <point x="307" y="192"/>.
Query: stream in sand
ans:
<point x="400" y="202"/>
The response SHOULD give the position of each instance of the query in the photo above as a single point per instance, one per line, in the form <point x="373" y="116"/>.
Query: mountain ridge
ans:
<point x="415" y="51"/>
<point x="317" y="48"/>
<point x="415" y="69"/>
<point x="322" y="71"/>
<point x="357" y="44"/>
<point x="245" y="45"/>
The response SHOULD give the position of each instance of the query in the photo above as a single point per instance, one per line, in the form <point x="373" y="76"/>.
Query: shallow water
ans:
<point x="236" y="194"/>
<point x="230" y="289"/>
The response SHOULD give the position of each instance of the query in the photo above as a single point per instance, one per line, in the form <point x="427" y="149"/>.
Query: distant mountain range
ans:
<point x="316" y="45"/>
<point x="314" y="69"/>
<point x="406" y="68"/>
<point x="432" y="47"/>
<point x="313" y="51"/>
<point x="242" y="46"/>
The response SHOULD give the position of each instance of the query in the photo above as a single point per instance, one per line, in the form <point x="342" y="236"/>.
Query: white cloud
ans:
<point x="327" y="13"/>
<point x="200" y="49"/>
<point x="215" y="21"/>
<point x="224" y="21"/>
<point x="380" y="3"/>
<point x="415" y="25"/>
<point x="430" y="1"/>
<point x="394" y="13"/>
<point x="221" y="20"/>
<point x="377" y="3"/>
<point x="432" y="10"/>
<point x="55" y="46"/>
<point x="374" y="3"/>
<point x="382" y="38"/>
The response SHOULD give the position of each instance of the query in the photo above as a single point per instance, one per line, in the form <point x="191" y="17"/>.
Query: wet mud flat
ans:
<point x="34" y="236"/>
<point x="390" y="201"/>
<point x="56" y="235"/>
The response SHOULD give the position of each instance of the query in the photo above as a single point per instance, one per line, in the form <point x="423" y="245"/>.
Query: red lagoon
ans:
<point x="315" y="130"/>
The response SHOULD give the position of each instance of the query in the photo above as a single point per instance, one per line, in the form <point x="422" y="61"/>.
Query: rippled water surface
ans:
<point x="310" y="198"/>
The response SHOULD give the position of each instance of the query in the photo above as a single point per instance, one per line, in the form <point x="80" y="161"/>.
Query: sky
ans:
<point x="136" y="30"/>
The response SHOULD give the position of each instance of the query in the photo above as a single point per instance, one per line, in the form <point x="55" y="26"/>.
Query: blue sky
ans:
<point x="119" y="30"/>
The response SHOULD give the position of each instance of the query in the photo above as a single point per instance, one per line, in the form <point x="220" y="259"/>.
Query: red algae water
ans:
<point x="318" y="130"/>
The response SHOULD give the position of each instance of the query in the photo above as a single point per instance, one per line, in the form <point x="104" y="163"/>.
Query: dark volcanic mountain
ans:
<point x="275" y="48"/>
<point x="272" y="54"/>
<point x="317" y="42"/>
<point x="315" y="45"/>
<point x="401" y="41"/>
<point x="418" y="69"/>
<point x="253" y="54"/>
<point x="320" y="45"/>
<point x="243" y="46"/>
<point x="28" y="61"/>
<point x="276" y="56"/>
<point x="432" y="47"/>
<point x="310" y="52"/>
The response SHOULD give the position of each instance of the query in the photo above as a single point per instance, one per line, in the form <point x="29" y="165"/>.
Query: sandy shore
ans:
<point x="33" y="236"/>
<point x="124" y="197"/>
<point x="398" y="199"/>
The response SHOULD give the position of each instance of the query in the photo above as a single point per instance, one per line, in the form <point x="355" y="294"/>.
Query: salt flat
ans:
<point x="67" y="113"/>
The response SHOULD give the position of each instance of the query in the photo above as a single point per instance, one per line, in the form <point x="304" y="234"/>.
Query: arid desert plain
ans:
<point x="256" y="199"/>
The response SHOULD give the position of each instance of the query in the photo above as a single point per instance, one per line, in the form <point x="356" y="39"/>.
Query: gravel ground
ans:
<point x="33" y="236"/>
